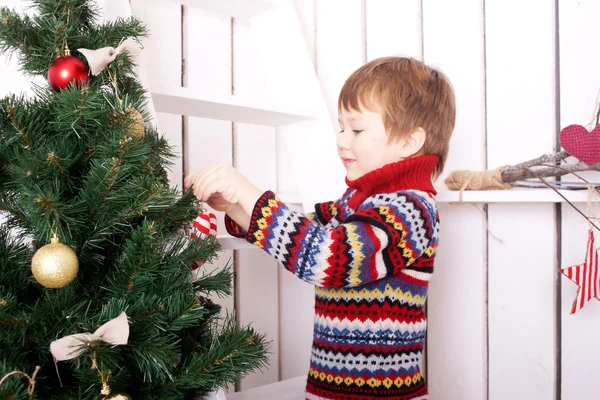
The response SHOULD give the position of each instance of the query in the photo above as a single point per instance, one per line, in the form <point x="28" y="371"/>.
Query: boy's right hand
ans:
<point x="216" y="201"/>
<point x="221" y="186"/>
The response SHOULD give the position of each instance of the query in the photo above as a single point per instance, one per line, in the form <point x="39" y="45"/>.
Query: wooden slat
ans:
<point x="456" y="338"/>
<point x="522" y="299"/>
<point x="255" y="157"/>
<point x="287" y="185"/>
<point x="521" y="80"/>
<point x="456" y="305"/>
<point x="521" y="111"/>
<point x="579" y="84"/>
<point x="393" y="28"/>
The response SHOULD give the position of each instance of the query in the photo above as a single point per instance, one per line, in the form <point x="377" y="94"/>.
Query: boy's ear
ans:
<point x="413" y="142"/>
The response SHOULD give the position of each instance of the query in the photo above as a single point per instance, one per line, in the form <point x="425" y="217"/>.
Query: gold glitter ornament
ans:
<point x="117" y="396"/>
<point x="54" y="265"/>
<point x="136" y="126"/>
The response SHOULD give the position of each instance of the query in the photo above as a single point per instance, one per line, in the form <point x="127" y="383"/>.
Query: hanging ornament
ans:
<point x="135" y="127"/>
<point x="54" y="265"/>
<point x="99" y="59"/>
<point x="586" y="276"/>
<point x="117" y="396"/>
<point x="204" y="225"/>
<point x="65" y="69"/>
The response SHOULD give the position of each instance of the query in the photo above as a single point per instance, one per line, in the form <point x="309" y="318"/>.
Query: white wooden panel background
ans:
<point x="499" y="322"/>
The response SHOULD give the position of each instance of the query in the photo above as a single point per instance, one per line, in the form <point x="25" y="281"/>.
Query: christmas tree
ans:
<point x="93" y="241"/>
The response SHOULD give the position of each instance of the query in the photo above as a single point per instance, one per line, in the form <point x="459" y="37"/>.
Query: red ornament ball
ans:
<point x="65" y="69"/>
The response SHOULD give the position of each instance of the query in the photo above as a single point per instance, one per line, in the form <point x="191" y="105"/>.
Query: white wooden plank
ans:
<point x="579" y="85"/>
<point x="511" y="196"/>
<point x="521" y="74"/>
<point x="244" y="9"/>
<point x="580" y="348"/>
<point x="286" y="179"/>
<point x="464" y="67"/>
<point x="340" y="45"/>
<point x="456" y="308"/>
<point x="521" y="302"/>
<point x="521" y="112"/>
<point x="256" y="304"/>
<point x="255" y="157"/>
<point x="394" y="28"/>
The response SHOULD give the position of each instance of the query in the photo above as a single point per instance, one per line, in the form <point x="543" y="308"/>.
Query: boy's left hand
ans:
<point x="222" y="186"/>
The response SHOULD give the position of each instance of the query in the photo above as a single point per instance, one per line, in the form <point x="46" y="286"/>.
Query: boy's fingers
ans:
<point x="189" y="179"/>
<point x="201" y="183"/>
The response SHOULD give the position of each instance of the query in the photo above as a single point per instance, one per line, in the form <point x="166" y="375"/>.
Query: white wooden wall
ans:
<point x="499" y="322"/>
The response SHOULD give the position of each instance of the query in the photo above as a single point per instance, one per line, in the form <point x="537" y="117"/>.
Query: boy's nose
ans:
<point x="343" y="140"/>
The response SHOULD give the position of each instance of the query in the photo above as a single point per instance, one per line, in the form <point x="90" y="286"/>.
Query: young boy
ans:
<point x="370" y="254"/>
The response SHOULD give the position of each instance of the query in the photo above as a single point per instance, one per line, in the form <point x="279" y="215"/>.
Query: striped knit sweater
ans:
<point x="370" y="255"/>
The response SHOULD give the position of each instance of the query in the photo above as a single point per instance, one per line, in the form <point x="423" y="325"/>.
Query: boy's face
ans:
<point x="362" y="143"/>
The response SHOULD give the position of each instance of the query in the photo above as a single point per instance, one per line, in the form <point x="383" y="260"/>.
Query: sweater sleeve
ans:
<point x="372" y="243"/>
<point x="323" y="214"/>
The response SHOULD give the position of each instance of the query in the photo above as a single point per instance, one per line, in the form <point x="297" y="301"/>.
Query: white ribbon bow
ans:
<point x="115" y="331"/>
<point x="100" y="58"/>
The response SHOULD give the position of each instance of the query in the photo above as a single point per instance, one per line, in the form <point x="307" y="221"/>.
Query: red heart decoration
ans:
<point x="580" y="143"/>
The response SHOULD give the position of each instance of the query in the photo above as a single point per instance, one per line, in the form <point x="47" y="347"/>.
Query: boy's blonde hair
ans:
<point x="409" y="95"/>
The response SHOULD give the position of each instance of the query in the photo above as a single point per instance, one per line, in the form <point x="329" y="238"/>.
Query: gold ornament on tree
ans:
<point x="135" y="127"/>
<point x="54" y="265"/>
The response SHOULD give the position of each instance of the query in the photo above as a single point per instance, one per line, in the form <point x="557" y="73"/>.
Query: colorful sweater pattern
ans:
<point x="370" y="255"/>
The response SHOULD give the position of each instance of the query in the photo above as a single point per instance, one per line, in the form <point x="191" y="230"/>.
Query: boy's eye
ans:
<point x="357" y="131"/>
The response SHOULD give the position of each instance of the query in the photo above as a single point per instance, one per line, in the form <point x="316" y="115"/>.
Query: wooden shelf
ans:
<point x="512" y="196"/>
<point x="290" y="389"/>
<point x="232" y="243"/>
<point x="244" y="9"/>
<point x="186" y="101"/>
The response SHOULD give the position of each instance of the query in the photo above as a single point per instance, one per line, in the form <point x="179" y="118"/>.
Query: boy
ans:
<point x="370" y="254"/>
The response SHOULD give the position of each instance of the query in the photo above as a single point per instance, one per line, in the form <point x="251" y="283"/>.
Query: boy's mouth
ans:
<point x="347" y="160"/>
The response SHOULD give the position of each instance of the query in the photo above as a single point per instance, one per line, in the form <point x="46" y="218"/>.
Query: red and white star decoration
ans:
<point x="586" y="276"/>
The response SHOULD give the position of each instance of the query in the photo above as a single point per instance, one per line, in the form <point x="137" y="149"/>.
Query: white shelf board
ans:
<point x="190" y="102"/>
<point x="516" y="195"/>
<point x="232" y="243"/>
<point x="289" y="389"/>
<point x="243" y="9"/>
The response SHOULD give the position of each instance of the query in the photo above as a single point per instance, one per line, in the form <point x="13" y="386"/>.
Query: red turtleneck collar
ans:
<point x="408" y="174"/>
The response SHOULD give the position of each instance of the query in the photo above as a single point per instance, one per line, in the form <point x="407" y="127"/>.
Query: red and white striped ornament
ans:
<point x="586" y="276"/>
<point x="204" y="225"/>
